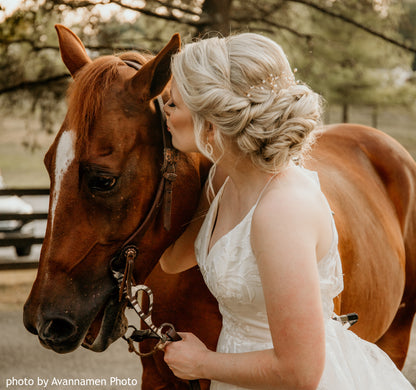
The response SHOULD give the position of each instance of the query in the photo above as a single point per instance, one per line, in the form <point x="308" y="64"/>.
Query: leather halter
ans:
<point x="163" y="193"/>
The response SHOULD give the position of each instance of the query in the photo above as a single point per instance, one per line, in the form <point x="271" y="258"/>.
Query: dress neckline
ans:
<point x="214" y="215"/>
<point x="208" y="249"/>
<point x="213" y="212"/>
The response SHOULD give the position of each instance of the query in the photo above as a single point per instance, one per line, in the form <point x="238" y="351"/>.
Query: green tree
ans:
<point x="340" y="47"/>
<point x="356" y="68"/>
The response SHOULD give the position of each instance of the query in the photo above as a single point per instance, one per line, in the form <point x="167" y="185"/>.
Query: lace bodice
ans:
<point x="230" y="272"/>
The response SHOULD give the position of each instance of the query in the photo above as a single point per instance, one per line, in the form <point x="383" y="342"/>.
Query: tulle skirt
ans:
<point x="351" y="363"/>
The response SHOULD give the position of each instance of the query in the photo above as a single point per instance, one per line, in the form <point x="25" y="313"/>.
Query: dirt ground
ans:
<point x="25" y="365"/>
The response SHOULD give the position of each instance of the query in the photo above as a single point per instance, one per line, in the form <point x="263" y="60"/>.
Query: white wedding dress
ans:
<point x="230" y="272"/>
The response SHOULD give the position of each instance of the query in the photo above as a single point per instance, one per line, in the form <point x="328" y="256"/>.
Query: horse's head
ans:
<point x="105" y="168"/>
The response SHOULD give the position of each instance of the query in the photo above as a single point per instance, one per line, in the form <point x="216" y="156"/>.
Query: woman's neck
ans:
<point x="246" y="179"/>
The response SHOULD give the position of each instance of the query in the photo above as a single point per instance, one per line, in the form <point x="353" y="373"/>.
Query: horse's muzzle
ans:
<point x="59" y="334"/>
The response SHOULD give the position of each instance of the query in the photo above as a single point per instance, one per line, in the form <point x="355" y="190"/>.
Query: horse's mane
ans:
<point x="85" y="95"/>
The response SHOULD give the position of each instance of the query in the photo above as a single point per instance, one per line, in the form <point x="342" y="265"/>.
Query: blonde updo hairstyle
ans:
<point x="243" y="84"/>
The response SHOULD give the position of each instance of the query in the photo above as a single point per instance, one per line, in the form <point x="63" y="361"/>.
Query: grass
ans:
<point x="22" y="167"/>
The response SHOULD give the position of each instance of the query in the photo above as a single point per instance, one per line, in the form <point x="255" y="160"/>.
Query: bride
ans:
<point x="267" y="247"/>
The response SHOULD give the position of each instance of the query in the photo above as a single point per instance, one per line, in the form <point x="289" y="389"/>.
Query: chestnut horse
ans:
<point x="105" y="166"/>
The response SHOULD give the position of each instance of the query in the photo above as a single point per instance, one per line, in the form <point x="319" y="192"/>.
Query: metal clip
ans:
<point x="346" y="320"/>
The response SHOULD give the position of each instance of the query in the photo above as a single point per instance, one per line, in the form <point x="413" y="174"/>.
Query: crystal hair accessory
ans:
<point x="270" y="83"/>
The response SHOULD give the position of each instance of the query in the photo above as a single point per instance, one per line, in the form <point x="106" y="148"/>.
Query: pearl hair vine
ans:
<point x="270" y="83"/>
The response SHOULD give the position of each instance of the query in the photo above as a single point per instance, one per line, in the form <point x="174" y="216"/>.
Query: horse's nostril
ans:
<point x="57" y="331"/>
<point x="31" y="329"/>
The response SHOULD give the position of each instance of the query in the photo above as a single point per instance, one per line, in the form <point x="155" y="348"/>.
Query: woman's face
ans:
<point x="179" y="122"/>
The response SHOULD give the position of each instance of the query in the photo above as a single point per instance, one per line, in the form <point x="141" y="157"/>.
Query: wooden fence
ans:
<point x="21" y="241"/>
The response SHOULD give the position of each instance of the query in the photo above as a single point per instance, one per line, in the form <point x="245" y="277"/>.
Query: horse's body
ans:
<point x="104" y="167"/>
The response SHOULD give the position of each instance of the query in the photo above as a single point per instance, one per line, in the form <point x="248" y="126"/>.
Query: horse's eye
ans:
<point x="102" y="183"/>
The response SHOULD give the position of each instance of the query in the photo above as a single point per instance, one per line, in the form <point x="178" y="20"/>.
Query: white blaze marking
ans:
<point x="65" y="154"/>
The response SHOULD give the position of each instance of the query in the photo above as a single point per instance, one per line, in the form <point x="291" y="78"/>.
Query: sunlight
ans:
<point x="7" y="7"/>
<point x="10" y="5"/>
<point x="105" y="11"/>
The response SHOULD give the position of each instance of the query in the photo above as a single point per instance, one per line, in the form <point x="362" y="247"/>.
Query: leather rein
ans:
<point x="122" y="265"/>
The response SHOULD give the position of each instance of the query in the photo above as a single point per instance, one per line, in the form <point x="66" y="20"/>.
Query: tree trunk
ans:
<point x="215" y="17"/>
<point x="345" y="113"/>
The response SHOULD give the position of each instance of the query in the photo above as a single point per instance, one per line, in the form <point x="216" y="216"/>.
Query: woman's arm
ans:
<point x="180" y="256"/>
<point x="286" y="232"/>
<point x="284" y="239"/>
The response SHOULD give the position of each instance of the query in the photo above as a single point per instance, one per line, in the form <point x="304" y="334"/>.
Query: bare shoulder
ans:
<point x="293" y="195"/>
<point x="292" y="211"/>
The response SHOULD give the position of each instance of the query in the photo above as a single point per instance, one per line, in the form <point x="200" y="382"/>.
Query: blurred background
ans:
<point x="359" y="54"/>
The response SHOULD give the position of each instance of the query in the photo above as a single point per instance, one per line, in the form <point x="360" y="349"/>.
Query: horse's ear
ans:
<point x="73" y="52"/>
<point x="152" y="78"/>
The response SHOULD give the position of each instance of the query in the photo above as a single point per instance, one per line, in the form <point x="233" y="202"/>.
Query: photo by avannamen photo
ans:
<point x="72" y="383"/>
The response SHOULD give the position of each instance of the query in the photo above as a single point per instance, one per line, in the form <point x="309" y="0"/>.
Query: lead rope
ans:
<point x="165" y="332"/>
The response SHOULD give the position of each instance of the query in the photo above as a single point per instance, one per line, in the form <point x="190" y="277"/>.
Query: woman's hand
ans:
<point x="185" y="357"/>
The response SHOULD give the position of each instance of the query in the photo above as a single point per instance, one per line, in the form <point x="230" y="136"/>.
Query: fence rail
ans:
<point x="21" y="240"/>
<point x="24" y="191"/>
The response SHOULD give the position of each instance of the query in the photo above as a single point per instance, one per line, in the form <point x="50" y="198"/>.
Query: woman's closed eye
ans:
<point x="169" y="106"/>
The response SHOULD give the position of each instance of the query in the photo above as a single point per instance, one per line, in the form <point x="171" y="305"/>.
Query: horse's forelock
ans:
<point x="85" y="95"/>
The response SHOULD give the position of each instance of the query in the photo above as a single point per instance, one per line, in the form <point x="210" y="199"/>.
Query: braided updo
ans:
<point x="244" y="85"/>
